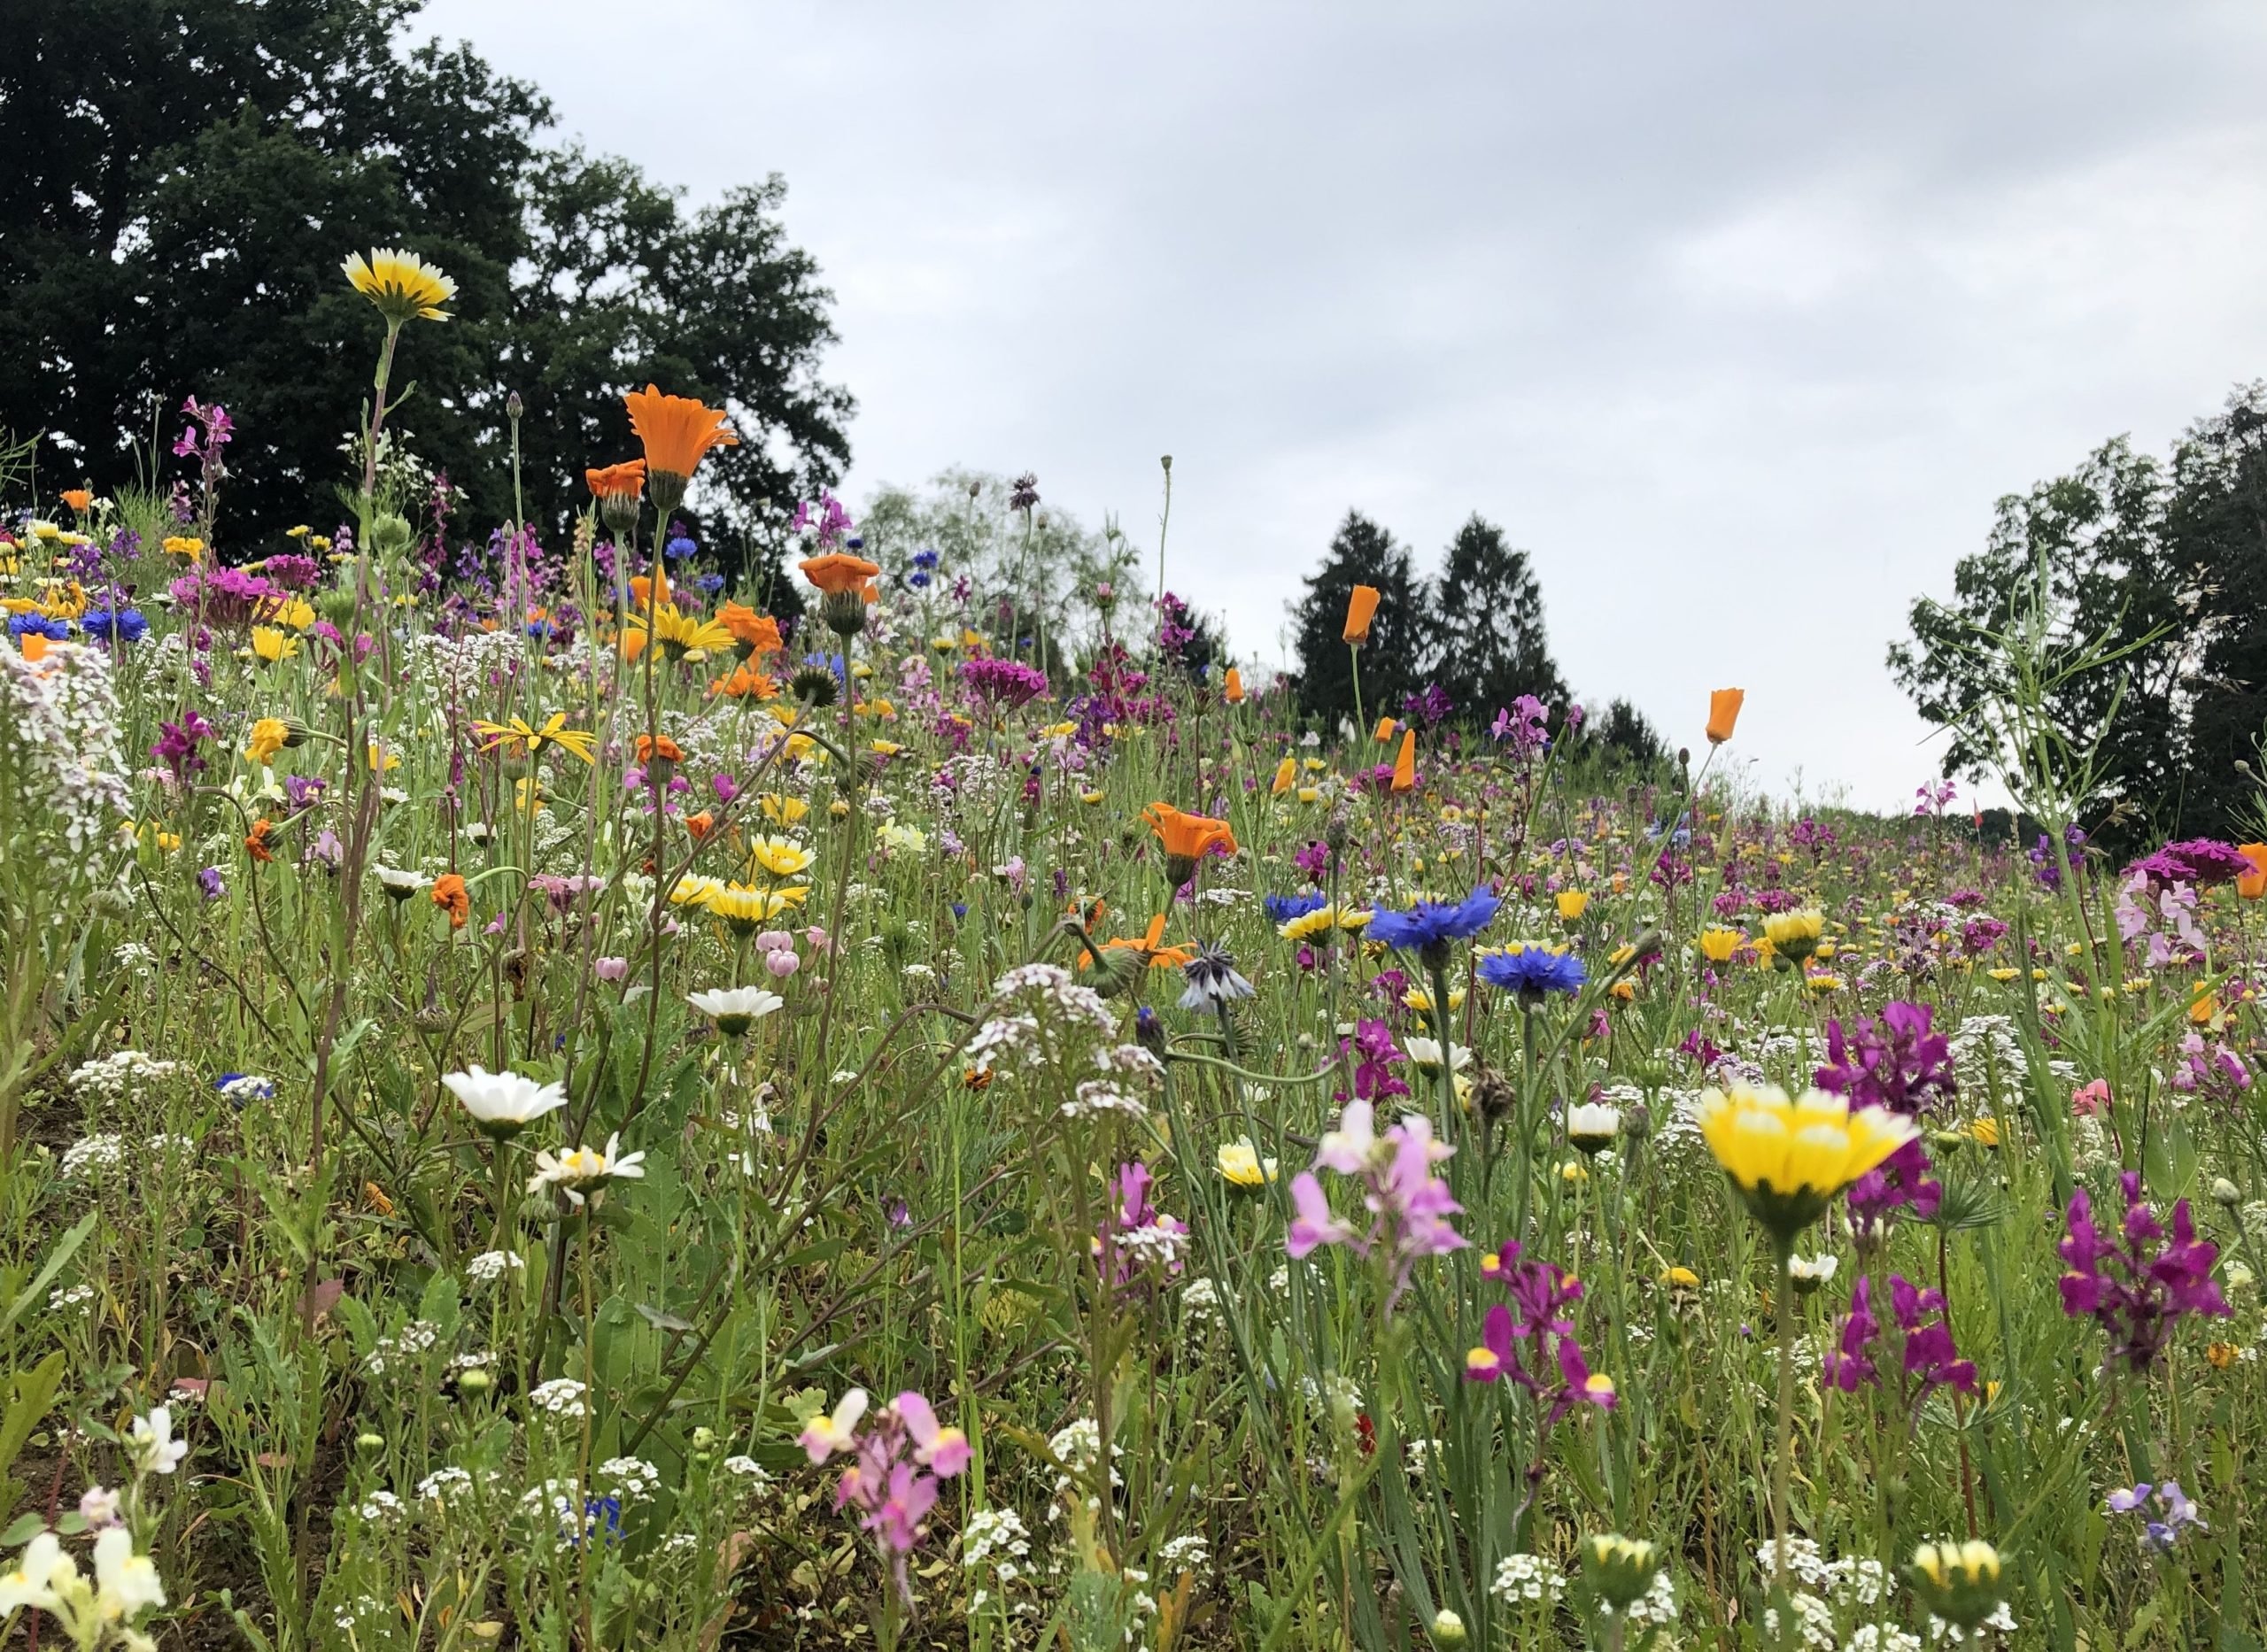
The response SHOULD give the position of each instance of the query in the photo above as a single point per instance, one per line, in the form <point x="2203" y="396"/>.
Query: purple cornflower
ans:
<point x="2137" y="1286"/>
<point x="1409" y="1206"/>
<point x="1895" y="1063"/>
<point x="2201" y="861"/>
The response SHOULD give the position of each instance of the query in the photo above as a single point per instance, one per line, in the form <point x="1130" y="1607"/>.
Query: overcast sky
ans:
<point x="1738" y="317"/>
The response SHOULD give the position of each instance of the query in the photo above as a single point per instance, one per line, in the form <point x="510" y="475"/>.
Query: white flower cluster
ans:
<point x="445" y="1485"/>
<point x="380" y="1508"/>
<point x="561" y="1396"/>
<point x="58" y="717"/>
<point x="91" y="1155"/>
<point x="1527" y="1578"/>
<point x="489" y="1266"/>
<point x="999" y="1539"/>
<point x="459" y="666"/>
<point x="632" y="1480"/>
<point x="120" y="1077"/>
<point x="1186" y="1553"/>
<point x="402" y="1347"/>
<point x="1656" y="1606"/>
<point x="1983" y="1045"/>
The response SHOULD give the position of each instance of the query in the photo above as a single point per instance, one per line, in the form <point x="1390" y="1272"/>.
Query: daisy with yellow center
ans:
<point x="744" y="910"/>
<point x="781" y="857"/>
<point x="404" y="286"/>
<point x="519" y="738"/>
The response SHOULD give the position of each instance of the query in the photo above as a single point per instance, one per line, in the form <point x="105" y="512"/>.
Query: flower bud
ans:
<point x="1448" y="1629"/>
<point x="369" y="1442"/>
<point x="1959" y="1582"/>
<point x="2227" y="1194"/>
<point x="1620" y="1569"/>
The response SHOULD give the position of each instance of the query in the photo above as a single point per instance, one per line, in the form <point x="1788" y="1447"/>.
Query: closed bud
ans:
<point x="369" y="1442"/>
<point x="1620" y="1569"/>
<point x="1959" y="1582"/>
<point x="513" y="406"/>
<point x="2227" y="1194"/>
<point x="1448" y="1629"/>
<point x="474" y="1379"/>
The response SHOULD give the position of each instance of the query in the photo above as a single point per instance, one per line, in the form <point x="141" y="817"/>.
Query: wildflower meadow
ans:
<point x="573" y="1090"/>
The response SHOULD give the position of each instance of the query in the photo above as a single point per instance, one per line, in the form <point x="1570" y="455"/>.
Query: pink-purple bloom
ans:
<point x="1409" y="1206"/>
<point x="2140" y="1284"/>
<point x="1895" y="1063"/>
<point x="899" y="1454"/>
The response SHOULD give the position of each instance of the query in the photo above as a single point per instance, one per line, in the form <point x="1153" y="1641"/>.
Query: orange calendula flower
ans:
<point x="2252" y="884"/>
<point x="1361" y="608"/>
<point x="1405" y="765"/>
<point x="752" y="633"/>
<point x="837" y="571"/>
<point x="450" y="894"/>
<point x="701" y="825"/>
<point x="747" y="683"/>
<point x="1724" y="714"/>
<point x="624" y="481"/>
<point x="1149" y="947"/>
<point x="79" y="498"/>
<point x="652" y="746"/>
<point x="1234" y="687"/>
<point x="256" y="843"/>
<point x="676" y="429"/>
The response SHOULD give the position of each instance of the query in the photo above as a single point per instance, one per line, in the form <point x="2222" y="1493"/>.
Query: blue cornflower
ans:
<point x="679" y="548"/>
<point x="127" y="625"/>
<point x="709" y="582"/>
<point x="918" y="579"/>
<point x="1532" y="972"/>
<point x="37" y="625"/>
<point x="1429" y="927"/>
<point x="924" y="559"/>
<point x="1282" y="908"/>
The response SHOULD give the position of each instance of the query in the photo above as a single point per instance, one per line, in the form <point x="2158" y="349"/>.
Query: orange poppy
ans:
<point x="35" y="646"/>
<point x="756" y="633"/>
<point x="1150" y="946"/>
<point x="624" y="481"/>
<point x="450" y="895"/>
<point x="676" y="429"/>
<point x="648" y="592"/>
<point x="1187" y="837"/>
<point x="78" y="498"/>
<point x="1234" y="687"/>
<point x="2250" y="885"/>
<point x="837" y="571"/>
<point x="1405" y="766"/>
<point x="652" y="746"/>
<point x="1385" y="729"/>
<point x="256" y="843"/>
<point x="1286" y="772"/>
<point x="1361" y="608"/>
<point x="1724" y="714"/>
<point x="747" y="683"/>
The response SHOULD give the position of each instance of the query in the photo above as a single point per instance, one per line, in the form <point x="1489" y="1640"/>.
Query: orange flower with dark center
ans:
<point x="450" y="895"/>
<point x="1724" y="714"/>
<point x="256" y="843"/>
<point x="1361" y="608"/>
<point x="676" y="429"/>
<point x="837" y="571"/>
<point x="1405" y="766"/>
<point x="756" y="633"/>
<point x="1234" y="687"/>
<point x="78" y="498"/>
<point x="747" y="683"/>
<point x="624" y="481"/>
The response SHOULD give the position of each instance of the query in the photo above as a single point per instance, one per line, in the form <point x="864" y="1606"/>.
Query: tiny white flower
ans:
<point x="155" y="1449"/>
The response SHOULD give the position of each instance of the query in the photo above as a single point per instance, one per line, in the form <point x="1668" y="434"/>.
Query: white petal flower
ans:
<point x="155" y="1449"/>
<point x="501" y="1103"/>
<point x="735" y="1009"/>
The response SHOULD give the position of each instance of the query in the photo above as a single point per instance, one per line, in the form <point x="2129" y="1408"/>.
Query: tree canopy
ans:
<point x="188" y="175"/>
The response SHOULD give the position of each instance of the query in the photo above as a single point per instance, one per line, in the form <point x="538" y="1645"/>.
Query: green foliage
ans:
<point x="1490" y="647"/>
<point x="188" y="177"/>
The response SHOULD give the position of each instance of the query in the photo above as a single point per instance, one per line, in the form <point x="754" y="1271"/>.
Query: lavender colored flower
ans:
<point x="2139" y="1285"/>
<point x="1930" y="1356"/>
<point x="1523" y="727"/>
<point x="1895" y="1063"/>
<point x="1409" y="1206"/>
<point x="209" y="881"/>
<point x="1901" y="1182"/>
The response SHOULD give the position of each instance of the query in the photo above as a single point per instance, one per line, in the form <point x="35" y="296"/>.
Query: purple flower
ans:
<point x="1524" y="727"/>
<point x="1901" y="1182"/>
<point x="2201" y="860"/>
<point x="177" y="743"/>
<point x="2137" y="1286"/>
<point x="1376" y="1057"/>
<point x="1409" y="1206"/>
<point x="1523" y="1340"/>
<point x="2179" y="1509"/>
<point x="209" y="881"/>
<point x="1894" y="1063"/>
<point x="1928" y="1352"/>
<point x="1848" y="1365"/>
<point x="1006" y="684"/>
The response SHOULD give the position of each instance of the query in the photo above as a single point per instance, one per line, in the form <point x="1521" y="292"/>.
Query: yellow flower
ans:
<point x="528" y="794"/>
<point x="269" y="736"/>
<point x="782" y="811"/>
<point x="693" y="889"/>
<point x="1718" y="945"/>
<point x="1093" y="797"/>
<point x="1680" y="1278"/>
<point x="383" y="761"/>
<point x="883" y="748"/>
<point x="1984" y="1132"/>
<point x="1789" y="1157"/>
<point x="1322" y="920"/>
<point x="404" y="286"/>
<point x="1420" y="1001"/>
<point x="1820" y="982"/>
<point x="300" y="532"/>
<point x="744" y="910"/>
<point x="678" y="634"/>
<point x="2003" y="974"/>
<point x="1241" y="1166"/>
<point x="1794" y="934"/>
<point x="781" y="857"/>
<point x="269" y="645"/>
<point x="295" y="611"/>
<point x="1571" y="904"/>
<point x="530" y="741"/>
<point x="185" y="546"/>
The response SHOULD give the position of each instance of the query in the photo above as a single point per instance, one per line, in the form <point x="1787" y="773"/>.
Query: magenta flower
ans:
<point x="901" y="1454"/>
<point x="1521" y="1340"/>
<point x="1895" y="1063"/>
<point x="2137" y="1286"/>
<point x="1899" y="1183"/>
<point x="1409" y="1206"/>
<point x="1849" y="1365"/>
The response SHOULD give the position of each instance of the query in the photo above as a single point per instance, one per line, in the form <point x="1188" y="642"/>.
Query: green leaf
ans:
<point x="65" y="1249"/>
<point x="29" y="1395"/>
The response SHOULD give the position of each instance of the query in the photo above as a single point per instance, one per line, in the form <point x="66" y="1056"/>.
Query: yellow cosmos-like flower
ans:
<point x="782" y="857"/>
<point x="518" y="736"/>
<point x="1789" y="1157"/>
<point x="746" y="910"/>
<point x="1718" y="945"/>
<point x="678" y="634"/>
<point x="1794" y="935"/>
<point x="185" y="546"/>
<point x="782" y="811"/>
<point x="404" y="286"/>
<point x="1571" y="904"/>
<point x="269" y="645"/>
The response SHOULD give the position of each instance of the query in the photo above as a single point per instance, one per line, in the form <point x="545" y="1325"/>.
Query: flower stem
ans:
<point x="1782" y="1311"/>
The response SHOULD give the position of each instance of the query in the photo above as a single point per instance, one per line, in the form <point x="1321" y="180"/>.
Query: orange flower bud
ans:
<point x="1361" y="608"/>
<point x="1724" y="714"/>
<point x="1405" y="766"/>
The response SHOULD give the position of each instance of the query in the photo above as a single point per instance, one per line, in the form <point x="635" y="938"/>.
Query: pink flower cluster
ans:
<point x="898" y="1454"/>
<point x="1409" y="1206"/>
<point x="2138" y="1285"/>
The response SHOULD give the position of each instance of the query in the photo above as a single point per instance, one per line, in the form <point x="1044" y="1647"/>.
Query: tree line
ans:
<point x="2161" y="563"/>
